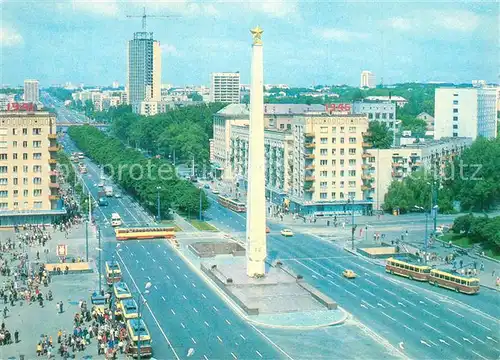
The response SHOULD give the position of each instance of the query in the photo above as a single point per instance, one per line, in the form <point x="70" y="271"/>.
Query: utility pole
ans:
<point x="87" y="230"/>
<point x="158" y="203"/>
<point x="192" y="168"/>
<point x="201" y="202"/>
<point x="100" y="264"/>
<point x="352" y="222"/>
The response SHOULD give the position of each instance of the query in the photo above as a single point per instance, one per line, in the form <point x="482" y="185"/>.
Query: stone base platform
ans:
<point x="79" y="267"/>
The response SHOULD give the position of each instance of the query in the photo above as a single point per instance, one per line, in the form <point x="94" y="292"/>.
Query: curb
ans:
<point x="298" y="327"/>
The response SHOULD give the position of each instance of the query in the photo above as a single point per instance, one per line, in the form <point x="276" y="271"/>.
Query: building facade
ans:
<point x="225" y="87"/>
<point x="29" y="192"/>
<point x="429" y="121"/>
<point x="31" y="91"/>
<point x="143" y="70"/>
<point x="398" y="100"/>
<point x="465" y="112"/>
<point x="383" y="111"/>
<point x="367" y="79"/>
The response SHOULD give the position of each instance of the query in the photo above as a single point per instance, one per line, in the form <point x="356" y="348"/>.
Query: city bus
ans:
<point x="113" y="272"/>
<point x="128" y="309"/>
<point x="116" y="220"/>
<point x="411" y="271"/>
<point x="121" y="291"/>
<point x="144" y="233"/>
<point x="138" y="333"/>
<point x="463" y="284"/>
<point x="231" y="204"/>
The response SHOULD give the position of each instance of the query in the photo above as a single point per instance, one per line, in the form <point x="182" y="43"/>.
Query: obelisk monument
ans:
<point x="256" y="197"/>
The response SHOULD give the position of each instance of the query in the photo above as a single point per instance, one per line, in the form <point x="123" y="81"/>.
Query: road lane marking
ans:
<point x="215" y="308"/>
<point x="205" y="357"/>
<point x="175" y="286"/>
<point x="196" y="311"/>
<point x="388" y="316"/>
<point x="465" y="339"/>
<point x="368" y="292"/>
<point x="234" y="356"/>
<point x="413" y="317"/>
<point x="430" y="327"/>
<point x="184" y="296"/>
<point x="456" y="327"/>
<point x="228" y="322"/>
<point x="137" y="261"/>
<point x="490" y="338"/>
<point x="183" y="326"/>
<point x="194" y="341"/>
<point x="218" y="337"/>
<point x="163" y="297"/>
<point x="168" y="277"/>
<point x="364" y="306"/>
<point x="423" y="342"/>
<point x="432" y="342"/>
<point x="258" y="353"/>
<point x="487" y="328"/>
<point x="178" y="268"/>
<point x="482" y="357"/>
<point x="173" y="312"/>
<point x="154" y="260"/>
<point x="204" y="297"/>
<point x="160" y="268"/>
<point x="347" y="291"/>
<point x="390" y="292"/>
<point x="409" y="328"/>
<point x="453" y="311"/>
<point x="147" y="252"/>
<point x="410" y="290"/>
<point x="428" y="312"/>
<point x="242" y="337"/>
<point x="142" y="268"/>
<point x="481" y="341"/>
<point x="432" y="301"/>
<point x="206" y="323"/>
<point x="193" y="284"/>
<point x="382" y="306"/>
<point x="454" y="340"/>
<point x="371" y="282"/>
<point x="408" y="301"/>
<point x="155" y="287"/>
<point x="388" y="303"/>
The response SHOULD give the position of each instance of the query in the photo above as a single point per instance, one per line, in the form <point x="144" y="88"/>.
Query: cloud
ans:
<point x="100" y="7"/>
<point x="169" y="49"/>
<point x="340" y="35"/>
<point x="432" y="20"/>
<point x="10" y="37"/>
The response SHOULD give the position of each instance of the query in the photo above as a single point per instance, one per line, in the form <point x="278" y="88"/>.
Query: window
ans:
<point x="352" y="151"/>
<point x="334" y="151"/>
<point x="323" y="184"/>
<point x="37" y="192"/>
<point x="391" y="116"/>
<point x="384" y="115"/>
<point x="323" y="151"/>
<point x="3" y="144"/>
<point x="14" y="144"/>
<point x="455" y="111"/>
<point x="352" y="172"/>
<point x="4" y="205"/>
<point x="323" y="173"/>
<point x="25" y="181"/>
<point x="4" y="193"/>
<point x="25" y="168"/>
<point x="334" y="173"/>
<point x="341" y="184"/>
<point x="455" y="118"/>
<point x="282" y="126"/>
<point x="323" y="195"/>
<point x="14" y="156"/>
<point x="377" y="115"/>
<point x="288" y="126"/>
<point x="37" y="131"/>
<point x="14" y="169"/>
<point x="25" y="144"/>
<point x="37" y="204"/>
<point x="352" y="184"/>
<point x="15" y="180"/>
<point x="352" y="195"/>
<point x="334" y="129"/>
<point x="4" y="181"/>
<point x="334" y="162"/>
<point x="37" y="168"/>
<point x="352" y="162"/>
<point x="323" y="162"/>
<point x="4" y="157"/>
<point x="37" y="156"/>
<point x="341" y="162"/>
<point x="25" y="131"/>
<point x="455" y="102"/>
<point x="37" y="144"/>
<point x="25" y="156"/>
<point x="342" y="151"/>
<point x="342" y="129"/>
<point x="455" y="126"/>
<point x="334" y="140"/>
<point x="352" y="140"/>
<point x="25" y="193"/>
<point x="334" y="196"/>
<point x="37" y="180"/>
<point x="370" y="116"/>
<point x="323" y="140"/>
<point x="352" y="129"/>
<point x="323" y="129"/>
<point x="342" y="173"/>
<point x="341" y="195"/>
<point x="16" y="193"/>
<point x="455" y="134"/>
<point x="3" y="169"/>
<point x="342" y="140"/>
<point x="14" y="131"/>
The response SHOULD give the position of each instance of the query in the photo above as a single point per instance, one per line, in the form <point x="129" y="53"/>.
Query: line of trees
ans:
<point x="70" y="177"/>
<point x="139" y="176"/>
<point x="60" y="93"/>
<point x="481" y="229"/>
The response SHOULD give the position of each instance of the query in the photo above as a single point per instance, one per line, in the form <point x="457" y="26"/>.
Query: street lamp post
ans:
<point x="100" y="262"/>
<point x="353" y="230"/>
<point x="426" y="236"/>
<point x="142" y="301"/>
<point x="158" y="203"/>
<point x="201" y="203"/>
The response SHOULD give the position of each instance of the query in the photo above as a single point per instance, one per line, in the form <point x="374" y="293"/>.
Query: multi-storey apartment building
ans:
<point x="395" y="164"/>
<point x="465" y="112"/>
<point x="31" y="91"/>
<point x="225" y="87"/>
<point x="29" y="192"/>
<point x="383" y="111"/>
<point x="367" y="79"/>
<point x="278" y="147"/>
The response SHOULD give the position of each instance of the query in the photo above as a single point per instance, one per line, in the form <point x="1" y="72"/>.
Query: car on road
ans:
<point x="287" y="232"/>
<point x="349" y="274"/>
<point x="101" y="184"/>
<point x="215" y="191"/>
<point x="118" y="195"/>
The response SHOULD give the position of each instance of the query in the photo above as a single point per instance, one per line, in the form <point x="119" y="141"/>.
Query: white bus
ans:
<point x="116" y="220"/>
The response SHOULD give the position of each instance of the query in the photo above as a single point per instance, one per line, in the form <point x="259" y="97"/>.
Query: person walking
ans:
<point x="16" y="336"/>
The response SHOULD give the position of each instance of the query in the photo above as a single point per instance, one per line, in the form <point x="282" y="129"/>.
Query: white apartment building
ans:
<point x="225" y="87"/>
<point x="465" y="112"/>
<point x="31" y="91"/>
<point x="395" y="164"/>
<point x="5" y="100"/>
<point x="383" y="111"/>
<point x="143" y="70"/>
<point x="367" y="79"/>
<point x="29" y="192"/>
<point x="398" y="100"/>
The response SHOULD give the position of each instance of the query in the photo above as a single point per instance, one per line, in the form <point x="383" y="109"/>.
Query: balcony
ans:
<point x="53" y="173"/>
<point x="54" y="197"/>
<point x="397" y="174"/>
<point x="367" y="145"/>
<point x="366" y="166"/>
<point x="52" y="136"/>
<point x="367" y="188"/>
<point x="309" y="178"/>
<point x="367" y="133"/>
<point x="309" y="135"/>
<point x="397" y="164"/>
<point x="52" y="161"/>
<point x="54" y="148"/>
<point x="366" y="155"/>
<point x="310" y="167"/>
<point x="309" y="189"/>
<point x="417" y="163"/>
<point x="53" y="185"/>
<point x="310" y="145"/>
<point x="367" y="177"/>
<point x="309" y="156"/>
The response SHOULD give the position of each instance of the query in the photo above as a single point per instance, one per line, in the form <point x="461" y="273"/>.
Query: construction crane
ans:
<point x="144" y="16"/>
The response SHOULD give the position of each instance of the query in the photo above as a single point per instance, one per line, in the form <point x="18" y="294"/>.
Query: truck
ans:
<point x="108" y="190"/>
<point x="101" y="198"/>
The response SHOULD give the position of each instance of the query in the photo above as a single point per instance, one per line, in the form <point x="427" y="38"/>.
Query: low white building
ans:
<point x="398" y="100"/>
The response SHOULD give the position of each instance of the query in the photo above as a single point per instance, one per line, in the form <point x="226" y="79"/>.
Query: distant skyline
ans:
<point x="305" y="42"/>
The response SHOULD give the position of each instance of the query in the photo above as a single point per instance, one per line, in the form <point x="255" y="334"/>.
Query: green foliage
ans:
<point x="17" y="91"/>
<point x="481" y="229"/>
<point x="380" y="136"/>
<point x="411" y="123"/>
<point x="71" y="178"/>
<point x="474" y="176"/>
<point x="60" y="93"/>
<point x="138" y="175"/>
<point x="195" y="96"/>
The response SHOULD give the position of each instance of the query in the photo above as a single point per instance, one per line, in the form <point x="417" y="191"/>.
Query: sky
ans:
<point x="306" y="43"/>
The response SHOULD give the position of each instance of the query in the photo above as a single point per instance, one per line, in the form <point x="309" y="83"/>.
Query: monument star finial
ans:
<point x="257" y="35"/>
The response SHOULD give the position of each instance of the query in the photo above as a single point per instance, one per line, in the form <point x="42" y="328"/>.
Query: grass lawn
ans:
<point x="492" y="254"/>
<point x="202" y="225"/>
<point x="170" y="223"/>
<point x="457" y="239"/>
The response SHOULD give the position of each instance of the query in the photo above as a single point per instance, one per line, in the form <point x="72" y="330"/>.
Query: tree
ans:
<point x="195" y="96"/>
<point x="417" y="127"/>
<point x="380" y="136"/>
